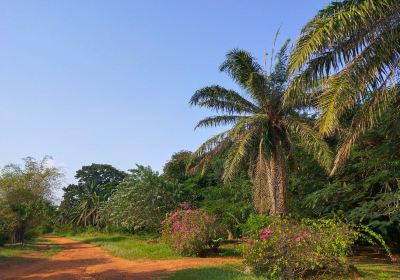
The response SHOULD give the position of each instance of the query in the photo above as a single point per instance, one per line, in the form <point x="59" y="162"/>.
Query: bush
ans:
<point x="192" y="232"/>
<point x="254" y="224"/>
<point x="289" y="249"/>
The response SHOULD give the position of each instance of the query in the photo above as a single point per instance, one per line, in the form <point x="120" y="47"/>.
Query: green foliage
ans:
<point x="82" y="202"/>
<point x="232" y="203"/>
<point x="25" y="197"/>
<point x="99" y="174"/>
<point x="227" y="272"/>
<point x="365" y="191"/>
<point x="140" y="202"/>
<point x="175" y="168"/>
<point x="191" y="232"/>
<point x="289" y="249"/>
<point x="254" y="224"/>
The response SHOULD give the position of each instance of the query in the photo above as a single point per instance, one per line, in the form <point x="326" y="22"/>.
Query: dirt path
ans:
<point x="85" y="261"/>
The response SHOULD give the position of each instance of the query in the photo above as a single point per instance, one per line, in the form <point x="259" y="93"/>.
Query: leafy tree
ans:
<point x="230" y="202"/>
<point x="365" y="191"/>
<point x="25" y="195"/>
<point x="81" y="202"/>
<point x="349" y="52"/>
<point x="69" y="204"/>
<point x="175" y="168"/>
<point x="367" y="188"/>
<point x="140" y="202"/>
<point x="262" y="128"/>
<point x="89" y="205"/>
<point x="104" y="175"/>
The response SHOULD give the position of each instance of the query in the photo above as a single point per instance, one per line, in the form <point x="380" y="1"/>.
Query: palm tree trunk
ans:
<point x="270" y="180"/>
<point x="278" y="179"/>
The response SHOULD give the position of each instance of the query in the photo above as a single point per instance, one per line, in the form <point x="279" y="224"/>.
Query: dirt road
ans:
<point x="85" y="261"/>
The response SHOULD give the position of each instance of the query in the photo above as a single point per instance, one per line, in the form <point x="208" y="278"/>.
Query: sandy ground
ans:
<point x="85" y="261"/>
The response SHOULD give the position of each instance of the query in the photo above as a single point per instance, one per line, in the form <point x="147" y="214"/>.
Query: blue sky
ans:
<point x="109" y="81"/>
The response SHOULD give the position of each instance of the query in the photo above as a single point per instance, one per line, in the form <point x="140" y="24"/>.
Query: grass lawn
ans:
<point x="38" y="246"/>
<point x="226" y="272"/>
<point x="130" y="247"/>
<point x="235" y="272"/>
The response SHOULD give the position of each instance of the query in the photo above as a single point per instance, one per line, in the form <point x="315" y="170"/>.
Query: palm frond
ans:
<point x="238" y="153"/>
<point x="205" y="153"/>
<point x="365" y="118"/>
<point x="310" y="140"/>
<point x="218" y="120"/>
<point x="220" y="99"/>
<point x="340" y="31"/>
<point x="244" y="69"/>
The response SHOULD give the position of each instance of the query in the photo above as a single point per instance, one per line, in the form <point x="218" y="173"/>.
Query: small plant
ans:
<point x="192" y="232"/>
<point x="289" y="249"/>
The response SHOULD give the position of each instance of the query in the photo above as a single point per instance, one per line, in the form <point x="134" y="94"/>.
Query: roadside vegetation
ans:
<point x="307" y="171"/>
<point x="37" y="247"/>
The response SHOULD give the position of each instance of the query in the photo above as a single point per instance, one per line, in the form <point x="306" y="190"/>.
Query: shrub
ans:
<point x="254" y="224"/>
<point x="192" y="232"/>
<point x="289" y="249"/>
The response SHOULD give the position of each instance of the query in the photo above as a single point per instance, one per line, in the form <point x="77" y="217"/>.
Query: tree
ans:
<point x="175" y="168"/>
<point x="349" y="52"/>
<point x="104" y="175"/>
<point x="141" y="202"/>
<point x="25" y="195"/>
<point x="367" y="189"/>
<point x="262" y="128"/>
<point x="81" y="202"/>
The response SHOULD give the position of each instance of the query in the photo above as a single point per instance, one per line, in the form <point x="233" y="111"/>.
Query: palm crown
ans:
<point x="350" y="51"/>
<point x="261" y="127"/>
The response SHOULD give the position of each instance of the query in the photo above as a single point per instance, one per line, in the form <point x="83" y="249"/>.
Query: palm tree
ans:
<point x="350" y="53"/>
<point x="89" y="205"/>
<point x="261" y="131"/>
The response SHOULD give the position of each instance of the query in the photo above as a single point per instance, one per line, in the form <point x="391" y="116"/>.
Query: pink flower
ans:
<point x="306" y="234"/>
<point x="264" y="236"/>
<point x="267" y="230"/>
<point x="177" y="226"/>
<point x="175" y="215"/>
<point x="297" y="238"/>
<point x="189" y="211"/>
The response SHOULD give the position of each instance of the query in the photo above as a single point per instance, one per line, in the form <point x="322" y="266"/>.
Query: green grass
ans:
<point x="235" y="272"/>
<point x="226" y="272"/>
<point x="131" y="247"/>
<point x="31" y="247"/>
<point x="379" y="271"/>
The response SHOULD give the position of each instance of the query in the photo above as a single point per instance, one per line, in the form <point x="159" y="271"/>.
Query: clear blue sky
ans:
<point x="109" y="81"/>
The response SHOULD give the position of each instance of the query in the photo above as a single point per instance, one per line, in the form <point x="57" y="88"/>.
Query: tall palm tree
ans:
<point x="350" y="53"/>
<point x="89" y="205"/>
<point x="262" y="129"/>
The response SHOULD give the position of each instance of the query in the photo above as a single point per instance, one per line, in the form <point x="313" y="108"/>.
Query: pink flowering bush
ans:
<point x="289" y="249"/>
<point x="192" y="232"/>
